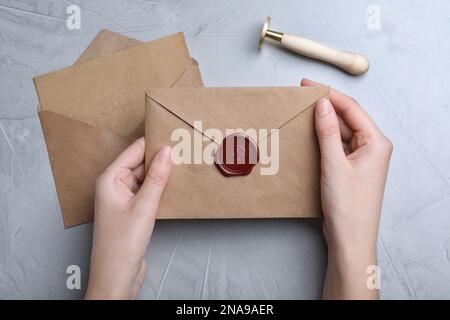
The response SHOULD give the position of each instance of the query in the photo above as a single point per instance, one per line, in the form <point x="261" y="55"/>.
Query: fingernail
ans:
<point x="323" y="107"/>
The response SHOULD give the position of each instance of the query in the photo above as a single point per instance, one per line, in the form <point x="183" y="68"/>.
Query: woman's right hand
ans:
<point x="355" y="159"/>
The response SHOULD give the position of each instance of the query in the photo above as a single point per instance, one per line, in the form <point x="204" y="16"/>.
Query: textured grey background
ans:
<point x="406" y="92"/>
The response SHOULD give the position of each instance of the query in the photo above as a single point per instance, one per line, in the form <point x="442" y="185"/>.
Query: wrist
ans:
<point x="102" y="288"/>
<point x="347" y="241"/>
<point x="349" y="273"/>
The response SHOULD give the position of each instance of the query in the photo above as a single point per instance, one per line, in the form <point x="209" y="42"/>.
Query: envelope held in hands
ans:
<point x="283" y="120"/>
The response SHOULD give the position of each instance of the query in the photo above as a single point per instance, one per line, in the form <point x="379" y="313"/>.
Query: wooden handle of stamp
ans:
<point x="351" y="62"/>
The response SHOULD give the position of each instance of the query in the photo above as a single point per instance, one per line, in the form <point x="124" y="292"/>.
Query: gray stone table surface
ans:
<point x="406" y="92"/>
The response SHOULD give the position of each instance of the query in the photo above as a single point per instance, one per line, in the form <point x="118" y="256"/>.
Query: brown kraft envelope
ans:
<point x="91" y="112"/>
<point x="200" y="190"/>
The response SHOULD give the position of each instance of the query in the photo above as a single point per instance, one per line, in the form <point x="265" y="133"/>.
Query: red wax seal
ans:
<point x="237" y="155"/>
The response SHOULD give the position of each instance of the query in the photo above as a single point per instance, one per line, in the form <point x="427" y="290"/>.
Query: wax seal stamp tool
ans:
<point x="353" y="63"/>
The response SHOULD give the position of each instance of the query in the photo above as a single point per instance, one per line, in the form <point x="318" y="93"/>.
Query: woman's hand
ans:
<point x="355" y="158"/>
<point x="125" y="210"/>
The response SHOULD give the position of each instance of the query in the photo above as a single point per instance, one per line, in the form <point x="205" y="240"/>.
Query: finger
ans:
<point x="310" y="83"/>
<point x="139" y="173"/>
<point x="133" y="179"/>
<point x="347" y="148"/>
<point x="327" y="127"/>
<point x="133" y="186"/>
<point x="351" y="112"/>
<point x="132" y="157"/>
<point x="155" y="181"/>
<point x="345" y="130"/>
<point x="348" y="109"/>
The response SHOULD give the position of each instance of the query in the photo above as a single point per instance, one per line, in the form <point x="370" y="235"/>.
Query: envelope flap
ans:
<point x="237" y="108"/>
<point x="107" y="92"/>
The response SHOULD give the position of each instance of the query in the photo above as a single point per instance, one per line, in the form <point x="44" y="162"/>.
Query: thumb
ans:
<point x="327" y="128"/>
<point x="147" y="199"/>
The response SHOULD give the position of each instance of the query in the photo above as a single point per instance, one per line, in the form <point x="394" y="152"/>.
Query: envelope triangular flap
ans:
<point x="76" y="164"/>
<point x="107" y="92"/>
<point x="236" y="108"/>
